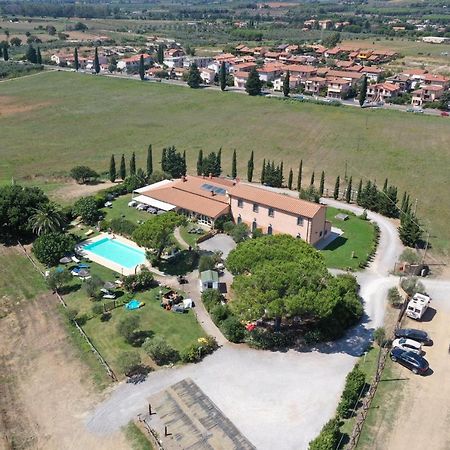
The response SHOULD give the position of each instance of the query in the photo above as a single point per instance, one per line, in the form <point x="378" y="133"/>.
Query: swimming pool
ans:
<point x="117" y="252"/>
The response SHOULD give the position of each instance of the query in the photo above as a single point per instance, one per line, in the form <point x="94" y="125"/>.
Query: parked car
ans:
<point x="151" y="210"/>
<point x="408" y="345"/>
<point x="416" y="335"/>
<point x="412" y="361"/>
<point x="417" y="306"/>
<point x="132" y="204"/>
<point x="444" y="114"/>
<point x="141" y="207"/>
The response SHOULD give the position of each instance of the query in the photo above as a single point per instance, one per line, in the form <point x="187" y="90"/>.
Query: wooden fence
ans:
<point x="94" y="350"/>
<point x="382" y="357"/>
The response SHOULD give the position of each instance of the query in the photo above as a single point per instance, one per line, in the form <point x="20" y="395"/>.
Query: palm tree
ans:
<point x="48" y="218"/>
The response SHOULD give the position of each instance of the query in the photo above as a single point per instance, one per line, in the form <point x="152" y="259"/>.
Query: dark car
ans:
<point x="410" y="360"/>
<point x="416" y="335"/>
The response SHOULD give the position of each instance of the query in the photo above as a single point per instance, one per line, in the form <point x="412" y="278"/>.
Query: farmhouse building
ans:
<point x="205" y="199"/>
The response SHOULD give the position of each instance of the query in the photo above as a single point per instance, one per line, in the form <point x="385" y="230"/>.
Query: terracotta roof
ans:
<point x="301" y="68"/>
<point x="318" y="79"/>
<point x="370" y="69"/>
<point x="241" y="74"/>
<point x="432" y="87"/>
<point x="432" y="77"/>
<point x="277" y="201"/>
<point x="189" y="194"/>
<point x="344" y="74"/>
<point x="415" y="72"/>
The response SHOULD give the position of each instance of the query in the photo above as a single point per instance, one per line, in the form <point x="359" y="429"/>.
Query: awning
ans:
<point x="153" y="202"/>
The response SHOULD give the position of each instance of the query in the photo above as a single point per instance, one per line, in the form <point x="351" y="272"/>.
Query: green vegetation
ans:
<point x="137" y="438"/>
<point x="70" y="102"/>
<point x="353" y="248"/>
<point x="190" y="238"/>
<point x="121" y="210"/>
<point x="51" y="247"/>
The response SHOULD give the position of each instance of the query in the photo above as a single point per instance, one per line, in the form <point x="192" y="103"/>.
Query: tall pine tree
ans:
<point x="348" y="193"/>
<point x="123" y="168"/>
<point x="194" y="78"/>
<point x="322" y="183"/>
<point x="410" y="231"/>
<point x="160" y="55"/>
<point x="38" y="56"/>
<point x="359" y="193"/>
<point x="200" y="162"/>
<point x="76" y="63"/>
<point x="141" y="68"/>
<point x="290" y="179"/>
<point x="223" y="76"/>
<point x="164" y="160"/>
<point x="218" y="170"/>
<point x="336" y="188"/>
<point x="312" y="179"/>
<point x="133" y="164"/>
<point x="263" y="172"/>
<point x="300" y="174"/>
<point x="149" y="160"/>
<point x="234" y="165"/>
<point x="253" y="85"/>
<point x="363" y="91"/>
<point x="286" y="84"/>
<point x="112" y="170"/>
<point x="96" y="61"/>
<point x="250" y="167"/>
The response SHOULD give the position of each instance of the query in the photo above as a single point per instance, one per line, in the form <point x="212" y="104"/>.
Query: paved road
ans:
<point x="278" y="400"/>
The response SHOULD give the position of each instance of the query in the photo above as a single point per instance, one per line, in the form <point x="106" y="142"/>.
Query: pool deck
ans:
<point x="107" y="262"/>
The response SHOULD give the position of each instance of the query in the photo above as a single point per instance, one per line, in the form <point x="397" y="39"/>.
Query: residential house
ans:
<point x="325" y="24"/>
<point x="337" y="87"/>
<point x="314" y="85"/>
<point x="353" y="77"/>
<point x="427" y="94"/>
<point x="301" y="71"/>
<point x="437" y="80"/>
<point x="209" y="279"/>
<point x="276" y="213"/>
<point x="372" y="73"/>
<point x="382" y="92"/>
<point x="207" y="75"/>
<point x="269" y="72"/>
<point x="132" y="63"/>
<point x="240" y="79"/>
<point x="402" y="81"/>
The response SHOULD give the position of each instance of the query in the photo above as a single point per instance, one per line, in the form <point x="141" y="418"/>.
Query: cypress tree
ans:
<point x="184" y="169"/>
<point x="1" y="51"/>
<point x="250" y="167"/>
<point x="299" y="179"/>
<point x="112" y="169"/>
<point x="164" y="160"/>
<point x="312" y="179"/>
<point x="336" y="188"/>
<point x="223" y="76"/>
<point x="263" y="172"/>
<point x="194" y="78"/>
<point x="160" y="55"/>
<point x="322" y="183"/>
<point x="254" y="84"/>
<point x="409" y="231"/>
<point x="234" y="165"/>
<point x="141" y="68"/>
<point x="123" y="168"/>
<point x="31" y="54"/>
<point x="286" y="84"/>
<point x="290" y="179"/>
<point x="280" y="175"/>
<point x="149" y="160"/>
<point x="133" y="164"/>
<point x="5" y="53"/>
<point x="200" y="162"/>
<point x="38" y="56"/>
<point x="218" y="170"/>
<point x="75" y="59"/>
<point x="363" y="91"/>
<point x="96" y="62"/>
<point x="359" y="193"/>
<point x="348" y="194"/>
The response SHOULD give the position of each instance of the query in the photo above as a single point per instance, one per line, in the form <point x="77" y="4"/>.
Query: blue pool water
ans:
<point x="117" y="252"/>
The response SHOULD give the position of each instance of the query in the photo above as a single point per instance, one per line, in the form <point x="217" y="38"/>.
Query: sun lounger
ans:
<point x="75" y="259"/>
<point x="110" y="296"/>
<point x="89" y="232"/>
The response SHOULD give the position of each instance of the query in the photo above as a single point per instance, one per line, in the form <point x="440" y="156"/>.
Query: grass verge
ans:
<point x="137" y="438"/>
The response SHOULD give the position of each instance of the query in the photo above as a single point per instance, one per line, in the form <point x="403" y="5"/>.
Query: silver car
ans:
<point x="408" y="344"/>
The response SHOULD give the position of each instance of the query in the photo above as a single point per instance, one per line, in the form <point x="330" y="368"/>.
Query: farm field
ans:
<point x="58" y="120"/>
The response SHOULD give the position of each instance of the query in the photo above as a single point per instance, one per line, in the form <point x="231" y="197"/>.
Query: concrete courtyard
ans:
<point x="219" y="242"/>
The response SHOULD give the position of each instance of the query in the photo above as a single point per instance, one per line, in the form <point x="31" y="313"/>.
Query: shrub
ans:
<point x="97" y="309"/>
<point x="71" y="313"/>
<point x="128" y="362"/>
<point x="58" y="278"/>
<point x="122" y="226"/>
<point x="220" y="222"/>
<point x="240" y="232"/>
<point x="127" y="327"/>
<point x="410" y="256"/>
<point x="51" y="247"/>
<point x="328" y="438"/>
<point x="228" y="227"/>
<point x="265" y="339"/>
<point x="394" y="297"/>
<point x="354" y="383"/>
<point x="197" y="351"/>
<point x="87" y="209"/>
<point x="211" y="298"/>
<point x="206" y="262"/>
<point x="219" y="313"/>
<point x="92" y="287"/>
<point x="379" y="336"/>
<point x="160" y="351"/>
<point x="233" y="329"/>
<point x="105" y="316"/>
<point x="139" y="282"/>
<point x="412" y="285"/>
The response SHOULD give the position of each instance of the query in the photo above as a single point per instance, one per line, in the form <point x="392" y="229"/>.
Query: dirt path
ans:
<point x="45" y="390"/>
<point x="72" y="191"/>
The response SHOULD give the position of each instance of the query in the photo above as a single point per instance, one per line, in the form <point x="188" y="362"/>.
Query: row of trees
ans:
<point x="173" y="162"/>
<point x="122" y="171"/>
<point x="212" y="163"/>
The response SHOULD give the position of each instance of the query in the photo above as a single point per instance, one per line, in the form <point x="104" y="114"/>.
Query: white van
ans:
<point x="417" y="306"/>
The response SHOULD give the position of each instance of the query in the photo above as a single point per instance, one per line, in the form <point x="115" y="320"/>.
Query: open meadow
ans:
<point x="54" y="121"/>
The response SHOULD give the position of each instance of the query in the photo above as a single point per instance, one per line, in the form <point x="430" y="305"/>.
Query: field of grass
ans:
<point x="358" y="237"/>
<point x="82" y="119"/>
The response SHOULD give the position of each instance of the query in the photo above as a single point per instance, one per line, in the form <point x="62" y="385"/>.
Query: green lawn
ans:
<point x="190" y="238"/>
<point x="18" y="278"/>
<point x="137" y="438"/>
<point x="120" y="209"/>
<point x="82" y="119"/>
<point x="358" y="237"/>
<point x="179" y="330"/>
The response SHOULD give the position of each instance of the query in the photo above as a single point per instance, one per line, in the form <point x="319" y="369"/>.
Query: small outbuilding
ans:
<point x="209" y="279"/>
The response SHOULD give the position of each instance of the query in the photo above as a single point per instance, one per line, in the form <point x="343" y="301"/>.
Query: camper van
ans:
<point x="417" y="306"/>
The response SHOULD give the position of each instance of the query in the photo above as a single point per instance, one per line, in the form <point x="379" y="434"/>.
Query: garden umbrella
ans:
<point x="109" y="285"/>
<point x="65" y="260"/>
<point x="83" y="273"/>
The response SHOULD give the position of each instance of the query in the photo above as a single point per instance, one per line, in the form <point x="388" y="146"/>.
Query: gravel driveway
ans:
<point x="219" y="242"/>
<point x="277" y="400"/>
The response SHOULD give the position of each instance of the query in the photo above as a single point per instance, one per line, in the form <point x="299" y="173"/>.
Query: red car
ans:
<point x="444" y="114"/>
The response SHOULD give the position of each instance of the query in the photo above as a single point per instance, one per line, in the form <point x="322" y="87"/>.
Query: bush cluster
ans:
<point x="139" y="282"/>
<point x="197" y="351"/>
<point x="122" y="226"/>
<point x="160" y="351"/>
<point x="329" y="436"/>
<point x="51" y="247"/>
<point x="354" y="384"/>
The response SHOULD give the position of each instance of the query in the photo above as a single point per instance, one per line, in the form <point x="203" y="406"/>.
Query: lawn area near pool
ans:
<point x="180" y="330"/>
<point x="358" y="237"/>
<point x="190" y="238"/>
<point x="121" y="210"/>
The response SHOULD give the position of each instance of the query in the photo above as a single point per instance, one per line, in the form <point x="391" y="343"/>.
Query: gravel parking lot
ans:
<point x="220" y="242"/>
